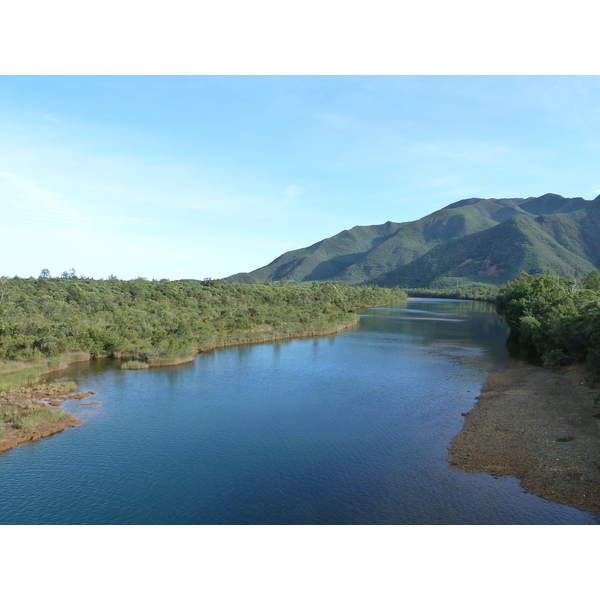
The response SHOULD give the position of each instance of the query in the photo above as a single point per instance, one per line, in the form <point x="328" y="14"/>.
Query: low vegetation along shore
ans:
<point x="29" y="412"/>
<point x="164" y="322"/>
<point x="46" y="323"/>
<point x="541" y="424"/>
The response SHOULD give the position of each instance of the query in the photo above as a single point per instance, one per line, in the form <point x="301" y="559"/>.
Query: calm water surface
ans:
<point x="350" y="429"/>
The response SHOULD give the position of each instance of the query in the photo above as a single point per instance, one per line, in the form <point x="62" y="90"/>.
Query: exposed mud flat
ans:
<point x="539" y="425"/>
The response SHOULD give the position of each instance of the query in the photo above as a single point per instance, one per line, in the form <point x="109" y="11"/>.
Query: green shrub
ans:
<point x="9" y="414"/>
<point x="57" y="320"/>
<point x="556" y="358"/>
<point x="62" y="387"/>
<point x="554" y="319"/>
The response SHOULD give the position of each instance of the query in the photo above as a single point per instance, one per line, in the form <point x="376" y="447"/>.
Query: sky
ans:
<point x="206" y="176"/>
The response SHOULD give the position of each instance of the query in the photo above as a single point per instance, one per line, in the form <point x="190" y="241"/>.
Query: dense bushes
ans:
<point x="162" y="321"/>
<point x="554" y="318"/>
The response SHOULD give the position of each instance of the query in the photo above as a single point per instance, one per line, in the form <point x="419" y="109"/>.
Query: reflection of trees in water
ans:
<point x="452" y="324"/>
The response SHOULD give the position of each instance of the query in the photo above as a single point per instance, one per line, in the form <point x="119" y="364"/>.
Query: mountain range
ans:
<point x="477" y="241"/>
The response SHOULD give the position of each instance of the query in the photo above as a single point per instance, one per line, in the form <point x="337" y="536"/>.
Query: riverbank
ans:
<point x="541" y="426"/>
<point x="31" y="412"/>
<point x="259" y="338"/>
<point x="15" y="438"/>
<point x="38" y="395"/>
<point x="279" y="338"/>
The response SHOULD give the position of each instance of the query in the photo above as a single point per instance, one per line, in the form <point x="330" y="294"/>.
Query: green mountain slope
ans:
<point x="325" y="260"/>
<point x="473" y="240"/>
<point x="494" y="256"/>
<point x="578" y="232"/>
<point x="415" y="239"/>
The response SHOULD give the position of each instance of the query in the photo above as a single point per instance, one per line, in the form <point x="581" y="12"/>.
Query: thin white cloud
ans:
<point x="214" y="204"/>
<point x="51" y="118"/>
<point x="25" y="202"/>
<point x="260" y="199"/>
<point x="465" y="151"/>
<point x="338" y="121"/>
<point x="292" y="192"/>
<point x="443" y="182"/>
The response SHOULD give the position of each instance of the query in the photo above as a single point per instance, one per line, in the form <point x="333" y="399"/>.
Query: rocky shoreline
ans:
<point x="541" y="426"/>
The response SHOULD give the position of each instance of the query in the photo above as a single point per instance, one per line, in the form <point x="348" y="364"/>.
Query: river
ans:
<point x="348" y="429"/>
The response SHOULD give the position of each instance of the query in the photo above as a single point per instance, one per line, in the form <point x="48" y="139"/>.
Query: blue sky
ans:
<point x="206" y="176"/>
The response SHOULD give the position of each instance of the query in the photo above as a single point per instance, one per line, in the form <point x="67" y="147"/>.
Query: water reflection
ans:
<point x="352" y="428"/>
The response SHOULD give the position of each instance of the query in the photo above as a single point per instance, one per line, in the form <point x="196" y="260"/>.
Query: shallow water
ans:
<point x="348" y="429"/>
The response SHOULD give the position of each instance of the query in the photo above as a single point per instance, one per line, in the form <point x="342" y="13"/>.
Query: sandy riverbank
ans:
<point x="537" y="425"/>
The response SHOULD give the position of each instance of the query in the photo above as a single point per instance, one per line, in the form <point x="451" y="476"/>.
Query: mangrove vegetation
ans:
<point x="554" y="319"/>
<point x="46" y="321"/>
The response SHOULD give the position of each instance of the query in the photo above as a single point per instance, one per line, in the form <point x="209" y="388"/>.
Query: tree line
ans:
<point x="483" y="293"/>
<point x="555" y="319"/>
<point x="157" y="322"/>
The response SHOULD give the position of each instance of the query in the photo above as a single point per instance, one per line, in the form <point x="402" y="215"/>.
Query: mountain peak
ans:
<point x="514" y="234"/>
<point x="548" y="196"/>
<point x="465" y="202"/>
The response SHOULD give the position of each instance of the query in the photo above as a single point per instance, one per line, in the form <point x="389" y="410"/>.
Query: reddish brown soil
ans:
<point x="41" y="394"/>
<point x="15" y="438"/>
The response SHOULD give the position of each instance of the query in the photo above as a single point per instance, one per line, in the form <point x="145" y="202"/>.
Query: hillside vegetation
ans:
<point x="160" y="322"/>
<point x="484" y="242"/>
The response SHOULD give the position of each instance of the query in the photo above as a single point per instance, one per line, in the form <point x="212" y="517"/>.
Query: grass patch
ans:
<point x="9" y="414"/>
<point x="564" y="439"/>
<point x="169" y="360"/>
<point x="37" y="415"/>
<point x="62" y="387"/>
<point x="15" y="375"/>
<point x="134" y="365"/>
<point x="77" y="356"/>
<point x="596" y="416"/>
<point x="28" y="419"/>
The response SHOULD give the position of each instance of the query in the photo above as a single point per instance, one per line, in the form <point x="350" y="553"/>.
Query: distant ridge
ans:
<point x="472" y="241"/>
